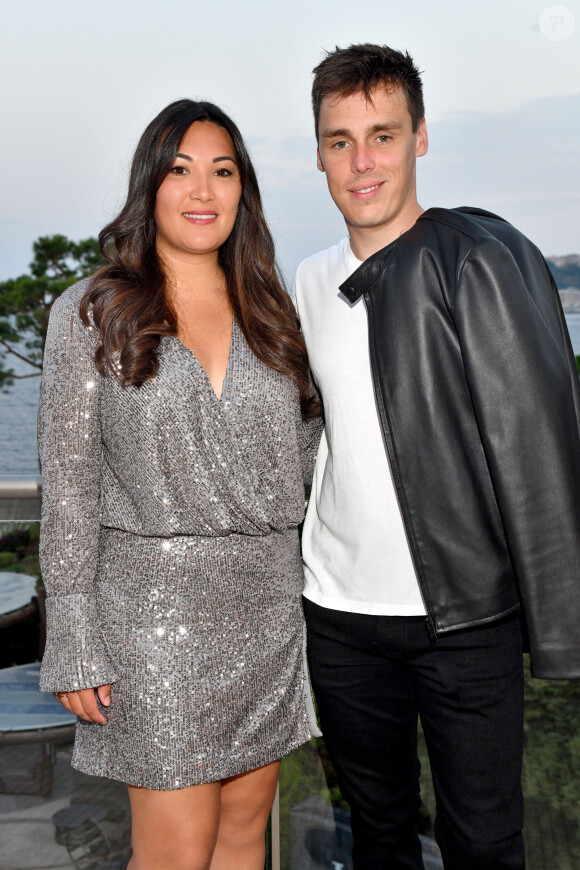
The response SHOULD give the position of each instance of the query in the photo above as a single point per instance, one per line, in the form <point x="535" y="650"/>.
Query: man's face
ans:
<point x="368" y="151"/>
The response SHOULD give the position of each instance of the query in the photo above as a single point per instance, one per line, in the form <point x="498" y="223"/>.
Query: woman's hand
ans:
<point x="83" y="702"/>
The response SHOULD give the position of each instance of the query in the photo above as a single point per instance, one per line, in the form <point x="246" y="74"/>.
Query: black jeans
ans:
<point x="372" y="676"/>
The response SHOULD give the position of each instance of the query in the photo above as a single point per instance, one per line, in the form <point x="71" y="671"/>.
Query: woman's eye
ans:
<point x="223" y="173"/>
<point x="178" y="170"/>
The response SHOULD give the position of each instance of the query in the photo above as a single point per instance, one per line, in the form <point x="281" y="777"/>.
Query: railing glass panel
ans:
<point x="51" y="816"/>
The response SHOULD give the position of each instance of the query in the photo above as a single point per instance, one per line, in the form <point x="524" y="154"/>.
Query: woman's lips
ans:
<point x="200" y="217"/>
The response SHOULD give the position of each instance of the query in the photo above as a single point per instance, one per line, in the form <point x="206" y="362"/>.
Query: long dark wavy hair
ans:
<point x="127" y="299"/>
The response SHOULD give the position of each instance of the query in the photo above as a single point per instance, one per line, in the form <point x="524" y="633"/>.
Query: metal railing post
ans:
<point x="275" y="829"/>
<point x="17" y="486"/>
<point x="19" y="499"/>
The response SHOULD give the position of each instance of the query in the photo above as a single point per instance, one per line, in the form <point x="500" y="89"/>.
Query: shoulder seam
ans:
<point x="466" y="231"/>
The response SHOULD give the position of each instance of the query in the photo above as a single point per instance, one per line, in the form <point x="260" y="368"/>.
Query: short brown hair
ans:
<point x="347" y="71"/>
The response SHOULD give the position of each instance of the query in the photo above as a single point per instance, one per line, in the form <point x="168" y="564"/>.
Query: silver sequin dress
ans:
<point x="170" y="556"/>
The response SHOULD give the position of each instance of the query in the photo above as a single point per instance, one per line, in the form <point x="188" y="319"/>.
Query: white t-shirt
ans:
<point x="356" y="555"/>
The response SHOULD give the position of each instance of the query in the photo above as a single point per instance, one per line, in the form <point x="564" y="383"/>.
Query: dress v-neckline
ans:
<point x="191" y="352"/>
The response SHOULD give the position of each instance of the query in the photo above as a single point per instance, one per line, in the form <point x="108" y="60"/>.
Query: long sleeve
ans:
<point x="523" y="388"/>
<point x="309" y="430"/>
<point x="69" y="438"/>
<point x="309" y="435"/>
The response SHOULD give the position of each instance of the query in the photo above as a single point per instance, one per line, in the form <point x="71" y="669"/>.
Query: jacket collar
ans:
<point x="372" y="268"/>
<point x="367" y="273"/>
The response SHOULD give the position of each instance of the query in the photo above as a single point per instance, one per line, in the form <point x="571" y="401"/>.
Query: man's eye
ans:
<point x="340" y="145"/>
<point x="383" y="138"/>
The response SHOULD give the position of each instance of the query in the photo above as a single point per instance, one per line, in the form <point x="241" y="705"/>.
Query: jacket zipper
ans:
<point x="429" y="622"/>
<point x="429" y="626"/>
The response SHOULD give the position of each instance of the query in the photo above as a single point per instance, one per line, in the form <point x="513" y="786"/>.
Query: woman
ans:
<point x="175" y="425"/>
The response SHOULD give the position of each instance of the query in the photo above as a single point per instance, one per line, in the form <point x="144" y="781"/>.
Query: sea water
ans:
<point x="18" y="407"/>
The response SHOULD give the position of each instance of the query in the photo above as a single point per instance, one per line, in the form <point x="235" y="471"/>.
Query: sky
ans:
<point x="82" y="78"/>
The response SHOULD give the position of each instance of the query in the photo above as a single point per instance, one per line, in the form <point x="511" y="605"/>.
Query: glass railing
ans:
<point x="314" y="819"/>
<point x="51" y="816"/>
<point x="54" y="817"/>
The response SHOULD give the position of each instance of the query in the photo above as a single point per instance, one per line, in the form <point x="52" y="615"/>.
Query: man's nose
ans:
<point x="362" y="159"/>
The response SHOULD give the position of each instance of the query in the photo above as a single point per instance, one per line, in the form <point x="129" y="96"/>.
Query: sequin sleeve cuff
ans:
<point x="310" y="433"/>
<point x="76" y="655"/>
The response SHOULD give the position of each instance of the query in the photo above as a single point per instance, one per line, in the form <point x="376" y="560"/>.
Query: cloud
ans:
<point x="522" y="164"/>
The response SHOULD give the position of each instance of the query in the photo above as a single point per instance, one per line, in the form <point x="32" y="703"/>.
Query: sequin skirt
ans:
<point x="207" y="636"/>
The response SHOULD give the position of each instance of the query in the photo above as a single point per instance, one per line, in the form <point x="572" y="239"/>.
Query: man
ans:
<point x="445" y="509"/>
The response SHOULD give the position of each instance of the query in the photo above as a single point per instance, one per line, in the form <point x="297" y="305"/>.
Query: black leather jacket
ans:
<point x="479" y="402"/>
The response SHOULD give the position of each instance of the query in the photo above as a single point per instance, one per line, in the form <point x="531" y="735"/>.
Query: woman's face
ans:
<point x="197" y="202"/>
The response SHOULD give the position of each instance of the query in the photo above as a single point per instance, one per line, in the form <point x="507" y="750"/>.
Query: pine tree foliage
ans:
<point x="25" y="302"/>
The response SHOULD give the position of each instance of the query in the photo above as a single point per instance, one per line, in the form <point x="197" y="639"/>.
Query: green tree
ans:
<point x="25" y="302"/>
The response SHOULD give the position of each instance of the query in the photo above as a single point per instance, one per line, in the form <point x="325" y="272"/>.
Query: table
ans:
<point x="26" y="711"/>
<point x="16" y="591"/>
